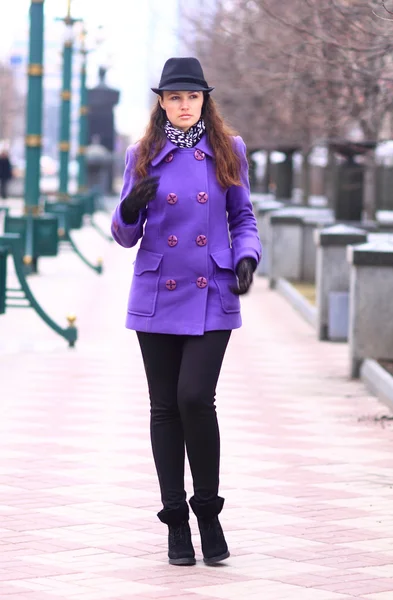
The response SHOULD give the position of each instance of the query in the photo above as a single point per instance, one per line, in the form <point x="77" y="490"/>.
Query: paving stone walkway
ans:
<point x="307" y="458"/>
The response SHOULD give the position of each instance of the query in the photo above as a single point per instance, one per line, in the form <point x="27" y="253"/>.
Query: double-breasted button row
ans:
<point x="202" y="198"/>
<point x="201" y="240"/>
<point x="171" y="283"/>
<point x="199" y="155"/>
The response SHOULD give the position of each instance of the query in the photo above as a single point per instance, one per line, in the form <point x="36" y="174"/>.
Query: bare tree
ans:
<point x="298" y="72"/>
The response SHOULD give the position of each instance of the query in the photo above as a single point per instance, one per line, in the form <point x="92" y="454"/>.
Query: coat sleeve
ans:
<point x="241" y="219"/>
<point x="124" y="234"/>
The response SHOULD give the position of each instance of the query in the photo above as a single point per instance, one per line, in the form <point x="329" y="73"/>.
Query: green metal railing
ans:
<point x="23" y="297"/>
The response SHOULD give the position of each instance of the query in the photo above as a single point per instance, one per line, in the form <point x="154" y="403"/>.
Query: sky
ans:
<point x="139" y="37"/>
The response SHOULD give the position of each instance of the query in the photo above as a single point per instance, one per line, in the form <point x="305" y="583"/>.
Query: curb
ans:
<point x="298" y="301"/>
<point x="378" y="381"/>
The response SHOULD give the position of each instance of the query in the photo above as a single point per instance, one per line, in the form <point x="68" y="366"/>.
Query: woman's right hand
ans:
<point x="143" y="192"/>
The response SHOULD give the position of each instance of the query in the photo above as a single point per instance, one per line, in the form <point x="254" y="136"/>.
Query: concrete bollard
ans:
<point x="385" y="220"/>
<point x="371" y="305"/>
<point x="332" y="269"/>
<point x="262" y="210"/>
<point x="309" y="250"/>
<point x="284" y="247"/>
<point x="285" y="242"/>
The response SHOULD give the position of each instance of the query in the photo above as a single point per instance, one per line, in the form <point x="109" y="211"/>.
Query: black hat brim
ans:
<point x="182" y="87"/>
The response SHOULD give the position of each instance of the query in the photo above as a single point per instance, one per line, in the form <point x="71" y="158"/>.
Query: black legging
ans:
<point x="182" y="374"/>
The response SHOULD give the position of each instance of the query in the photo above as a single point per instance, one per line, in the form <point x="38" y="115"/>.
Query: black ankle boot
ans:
<point x="214" y="546"/>
<point x="180" y="549"/>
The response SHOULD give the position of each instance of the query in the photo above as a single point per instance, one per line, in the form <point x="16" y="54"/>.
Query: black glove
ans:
<point x="141" y="194"/>
<point x="244" y="272"/>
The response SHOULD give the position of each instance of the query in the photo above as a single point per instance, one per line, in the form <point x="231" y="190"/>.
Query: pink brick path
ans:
<point x="307" y="471"/>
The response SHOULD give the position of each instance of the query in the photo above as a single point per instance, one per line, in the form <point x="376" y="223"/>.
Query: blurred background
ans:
<point x="296" y="79"/>
<point x="131" y="41"/>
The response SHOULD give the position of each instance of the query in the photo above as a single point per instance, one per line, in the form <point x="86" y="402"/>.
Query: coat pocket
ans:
<point x="225" y="277"/>
<point x="144" y="288"/>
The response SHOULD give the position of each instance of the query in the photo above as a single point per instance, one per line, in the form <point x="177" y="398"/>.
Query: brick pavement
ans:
<point x="306" y="466"/>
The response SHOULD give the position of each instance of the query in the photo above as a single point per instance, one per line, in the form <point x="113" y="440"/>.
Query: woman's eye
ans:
<point x="174" y="97"/>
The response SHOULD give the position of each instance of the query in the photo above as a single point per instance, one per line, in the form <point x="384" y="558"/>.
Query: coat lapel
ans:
<point x="203" y="145"/>
<point x="169" y="147"/>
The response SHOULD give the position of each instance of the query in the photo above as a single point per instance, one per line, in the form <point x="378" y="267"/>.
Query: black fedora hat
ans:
<point x="182" y="74"/>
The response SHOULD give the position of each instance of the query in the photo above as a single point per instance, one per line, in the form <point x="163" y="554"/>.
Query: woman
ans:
<point x="186" y="194"/>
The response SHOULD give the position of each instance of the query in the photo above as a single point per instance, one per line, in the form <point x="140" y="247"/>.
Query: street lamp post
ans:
<point x="38" y="232"/>
<point x="65" y="120"/>
<point x="83" y="110"/>
<point x="33" y="139"/>
<point x="90" y="196"/>
<point x="69" y="209"/>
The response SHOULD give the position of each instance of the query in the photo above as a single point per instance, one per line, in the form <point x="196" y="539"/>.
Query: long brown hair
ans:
<point x="219" y="135"/>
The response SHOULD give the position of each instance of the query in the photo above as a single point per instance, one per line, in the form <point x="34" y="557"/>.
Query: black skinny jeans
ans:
<point x="182" y="374"/>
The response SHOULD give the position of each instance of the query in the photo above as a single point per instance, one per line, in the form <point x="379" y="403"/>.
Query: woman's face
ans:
<point x="183" y="109"/>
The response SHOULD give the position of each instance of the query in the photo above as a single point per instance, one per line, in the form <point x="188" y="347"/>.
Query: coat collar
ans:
<point x="203" y="145"/>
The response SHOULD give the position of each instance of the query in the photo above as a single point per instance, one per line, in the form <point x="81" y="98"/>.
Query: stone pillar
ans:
<point x="267" y="174"/>
<point x="98" y="165"/>
<point x="371" y="305"/>
<point x="348" y="178"/>
<point x="332" y="269"/>
<point x="252" y="173"/>
<point x="284" y="246"/>
<point x="101" y="121"/>
<point x="263" y="210"/>
<point x="285" y="241"/>
<point x="349" y="192"/>
<point x="284" y="175"/>
<point x="309" y="250"/>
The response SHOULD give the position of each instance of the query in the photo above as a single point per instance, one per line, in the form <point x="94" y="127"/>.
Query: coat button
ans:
<point x="199" y="155"/>
<point x="170" y="285"/>
<point x="116" y="226"/>
<point x="171" y="198"/>
<point x="169" y="157"/>
<point x="172" y="241"/>
<point x="201" y="282"/>
<point x="201" y="240"/>
<point x="202" y="197"/>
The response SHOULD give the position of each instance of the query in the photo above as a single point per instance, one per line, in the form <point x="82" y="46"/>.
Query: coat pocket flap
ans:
<point x="147" y="261"/>
<point x="224" y="259"/>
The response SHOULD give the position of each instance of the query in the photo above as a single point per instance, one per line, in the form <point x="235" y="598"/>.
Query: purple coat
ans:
<point x="194" y="233"/>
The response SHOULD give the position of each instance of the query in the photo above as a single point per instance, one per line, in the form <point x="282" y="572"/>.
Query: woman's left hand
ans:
<point x="244" y="271"/>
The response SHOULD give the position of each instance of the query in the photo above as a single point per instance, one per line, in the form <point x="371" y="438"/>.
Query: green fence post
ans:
<point x="33" y="140"/>
<point x="65" y="115"/>
<point x="83" y="110"/>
